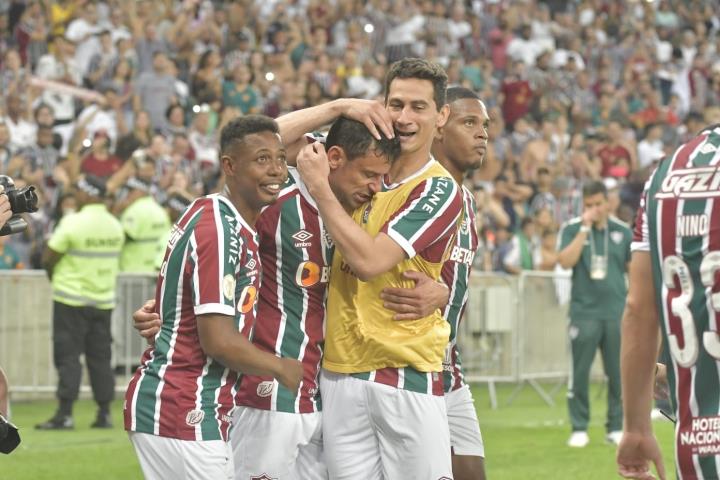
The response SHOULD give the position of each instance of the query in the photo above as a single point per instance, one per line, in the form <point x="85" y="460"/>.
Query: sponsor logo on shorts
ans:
<point x="194" y="417"/>
<point x="265" y="389"/>
<point x="302" y="237"/>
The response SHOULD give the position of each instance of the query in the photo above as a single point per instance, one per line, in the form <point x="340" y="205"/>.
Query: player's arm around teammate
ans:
<point x="367" y="256"/>
<point x="638" y="351"/>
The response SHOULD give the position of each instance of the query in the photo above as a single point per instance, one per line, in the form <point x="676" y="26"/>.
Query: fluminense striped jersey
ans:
<point x="211" y="266"/>
<point x="679" y="224"/>
<point x="296" y="254"/>
<point x="456" y="275"/>
<point x="408" y="222"/>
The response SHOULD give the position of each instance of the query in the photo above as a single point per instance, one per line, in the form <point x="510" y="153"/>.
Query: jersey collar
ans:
<point x="226" y="201"/>
<point x="302" y="187"/>
<point x="422" y="169"/>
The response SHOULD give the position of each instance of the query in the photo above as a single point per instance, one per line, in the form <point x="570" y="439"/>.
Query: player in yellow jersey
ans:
<point x="384" y="414"/>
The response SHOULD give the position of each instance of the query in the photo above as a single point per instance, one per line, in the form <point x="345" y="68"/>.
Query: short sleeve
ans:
<point x="216" y="248"/>
<point x="566" y="236"/>
<point x="61" y="239"/>
<point x="429" y="216"/>
<point x="641" y="232"/>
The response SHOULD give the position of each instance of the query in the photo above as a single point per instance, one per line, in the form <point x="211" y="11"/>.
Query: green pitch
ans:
<point x="523" y="440"/>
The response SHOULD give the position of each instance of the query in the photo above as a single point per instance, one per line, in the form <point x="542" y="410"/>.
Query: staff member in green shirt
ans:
<point x="145" y="222"/>
<point x="82" y="260"/>
<point x="596" y="247"/>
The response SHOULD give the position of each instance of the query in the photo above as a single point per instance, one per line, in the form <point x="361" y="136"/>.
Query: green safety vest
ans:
<point x="90" y="242"/>
<point x="145" y="222"/>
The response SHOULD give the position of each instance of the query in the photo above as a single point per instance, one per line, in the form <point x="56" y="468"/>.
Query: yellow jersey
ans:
<point x="422" y="215"/>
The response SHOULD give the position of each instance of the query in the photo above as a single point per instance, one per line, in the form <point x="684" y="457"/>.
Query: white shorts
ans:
<point x="163" y="457"/>
<point x="374" y="431"/>
<point x="278" y="445"/>
<point x="465" y="436"/>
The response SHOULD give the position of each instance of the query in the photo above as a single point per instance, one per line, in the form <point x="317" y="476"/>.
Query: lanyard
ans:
<point x="592" y="241"/>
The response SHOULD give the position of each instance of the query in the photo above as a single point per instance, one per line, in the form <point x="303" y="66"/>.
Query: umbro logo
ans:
<point x="251" y="267"/>
<point x="302" y="237"/>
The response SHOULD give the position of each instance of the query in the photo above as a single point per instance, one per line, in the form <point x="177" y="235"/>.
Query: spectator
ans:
<point x="651" y="148"/>
<point x="155" y="90"/>
<point x="524" y="253"/>
<point x="99" y="161"/>
<point x="9" y="259"/>
<point x="240" y="92"/>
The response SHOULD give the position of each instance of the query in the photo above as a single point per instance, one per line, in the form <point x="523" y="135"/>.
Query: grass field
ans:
<point x="525" y="440"/>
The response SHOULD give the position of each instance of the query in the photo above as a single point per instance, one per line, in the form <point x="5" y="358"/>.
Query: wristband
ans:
<point x="585" y="229"/>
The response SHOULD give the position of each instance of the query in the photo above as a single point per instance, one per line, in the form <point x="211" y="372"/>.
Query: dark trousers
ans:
<point x="78" y="330"/>
<point x="586" y="336"/>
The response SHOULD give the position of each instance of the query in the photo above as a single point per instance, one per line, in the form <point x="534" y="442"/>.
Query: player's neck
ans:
<point x="454" y="171"/>
<point x="247" y="212"/>
<point x="407" y="164"/>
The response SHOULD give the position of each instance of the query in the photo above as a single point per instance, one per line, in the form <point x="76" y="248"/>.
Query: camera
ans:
<point x="24" y="200"/>
<point x="9" y="436"/>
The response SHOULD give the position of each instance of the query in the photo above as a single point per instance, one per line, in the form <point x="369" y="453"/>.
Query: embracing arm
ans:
<point x="367" y="256"/>
<point x="294" y="125"/>
<point x="220" y="339"/>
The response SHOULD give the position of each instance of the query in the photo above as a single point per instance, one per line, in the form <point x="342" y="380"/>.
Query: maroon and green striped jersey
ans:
<point x="456" y="275"/>
<point x="409" y="221"/>
<point x="679" y="225"/>
<point x="296" y="254"/>
<point x="211" y="266"/>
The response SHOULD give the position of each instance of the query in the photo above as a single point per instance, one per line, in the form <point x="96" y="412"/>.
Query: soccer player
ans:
<point x="460" y="147"/>
<point x="381" y="384"/>
<point x="178" y="403"/>
<point x="673" y="290"/>
<point x="296" y="254"/>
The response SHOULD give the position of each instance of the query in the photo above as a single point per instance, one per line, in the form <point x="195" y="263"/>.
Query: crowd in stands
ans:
<point x="139" y="90"/>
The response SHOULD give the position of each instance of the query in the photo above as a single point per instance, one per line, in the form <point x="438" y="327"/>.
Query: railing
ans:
<point x="514" y="330"/>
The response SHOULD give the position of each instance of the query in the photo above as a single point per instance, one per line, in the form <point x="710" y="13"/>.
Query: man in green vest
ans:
<point x="145" y="222"/>
<point x="596" y="247"/>
<point x="82" y="260"/>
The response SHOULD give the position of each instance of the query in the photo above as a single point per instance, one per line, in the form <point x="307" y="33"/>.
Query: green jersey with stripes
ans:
<point x="679" y="225"/>
<point x="211" y="266"/>
<point x="296" y="253"/>
<point x="456" y="275"/>
<point x="90" y="242"/>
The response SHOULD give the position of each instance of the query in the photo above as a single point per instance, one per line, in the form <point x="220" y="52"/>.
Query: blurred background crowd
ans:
<point x="136" y="92"/>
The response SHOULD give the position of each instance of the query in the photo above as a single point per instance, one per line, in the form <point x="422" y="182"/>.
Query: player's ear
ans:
<point x="439" y="132"/>
<point x="336" y="157"/>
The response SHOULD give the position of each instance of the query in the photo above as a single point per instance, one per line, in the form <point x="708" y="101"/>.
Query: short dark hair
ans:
<point x="460" y="93"/>
<point x="423" y="70"/>
<point x="355" y="140"/>
<point x="593" y="188"/>
<point x="236" y="130"/>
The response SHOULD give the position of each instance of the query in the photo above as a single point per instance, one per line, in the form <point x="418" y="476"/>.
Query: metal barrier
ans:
<point x="26" y="330"/>
<point x="514" y="330"/>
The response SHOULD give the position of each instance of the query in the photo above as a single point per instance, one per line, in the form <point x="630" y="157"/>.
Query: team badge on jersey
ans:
<point x="265" y="389"/>
<point x="302" y="237"/>
<point x="228" y="286"/>
<point x="616" y="237"/>
<point x="194" y="417"/>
